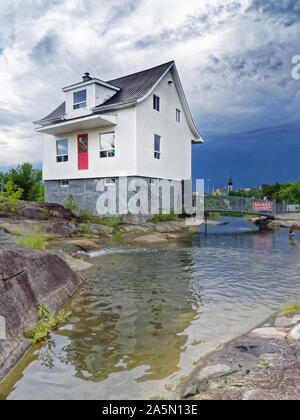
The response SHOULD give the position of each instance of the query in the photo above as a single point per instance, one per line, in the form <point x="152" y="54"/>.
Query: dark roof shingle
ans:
<point x="133" y="87"/>
<point x="56" y="114"/>
<point x="136" y="85"/>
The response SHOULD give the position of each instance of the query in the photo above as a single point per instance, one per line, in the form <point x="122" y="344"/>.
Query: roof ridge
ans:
<point x="141" y="71"/>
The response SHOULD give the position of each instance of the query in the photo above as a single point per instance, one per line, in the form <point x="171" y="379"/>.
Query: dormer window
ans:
<point x="79" y="99"/>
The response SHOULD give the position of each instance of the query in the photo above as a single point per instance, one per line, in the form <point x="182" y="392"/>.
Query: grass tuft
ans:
<point x="46" y="322"/>
<point x="290" y="307"/>
<point x="163" y="217"/>
<point x="34" y="241"/>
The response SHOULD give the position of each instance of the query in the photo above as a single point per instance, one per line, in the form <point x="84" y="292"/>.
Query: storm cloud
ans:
<point x="234" y="58"/>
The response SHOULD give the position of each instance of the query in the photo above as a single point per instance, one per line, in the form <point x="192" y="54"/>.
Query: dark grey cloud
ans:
<point x="194" y="25"/>
<point x="285" y="11"/>
<point x="44" y="51"/>
<point x="260" y="64"/>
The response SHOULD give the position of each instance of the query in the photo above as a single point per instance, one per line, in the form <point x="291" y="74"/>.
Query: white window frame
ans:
<point x="157" y="153"/>
<point x="107" y="151"/>
<point x="63" y="156"/>
<point x="81" y="104"/>
<point x="110" y="181"/>
<point x="156" y="102"/>
<point x="63" y="183"/>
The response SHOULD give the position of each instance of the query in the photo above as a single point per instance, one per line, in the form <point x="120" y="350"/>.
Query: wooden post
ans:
<point x="205" y="222"/>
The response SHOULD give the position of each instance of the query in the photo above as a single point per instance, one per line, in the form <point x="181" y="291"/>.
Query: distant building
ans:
<point x="220" y="192"/>
<point x="230" y="187"/>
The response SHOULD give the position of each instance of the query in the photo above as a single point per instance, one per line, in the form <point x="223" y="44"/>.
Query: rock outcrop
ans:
<point x="28" y="278"/>
<point x="43" y="211"/>
<point x="263" y="364"/>
<point x="57" y="227"/>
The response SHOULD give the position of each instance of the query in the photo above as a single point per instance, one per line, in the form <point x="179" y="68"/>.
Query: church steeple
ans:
<point x="230" y="184"/>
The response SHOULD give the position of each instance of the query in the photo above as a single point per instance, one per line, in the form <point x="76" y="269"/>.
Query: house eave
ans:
<point x="48" y="121"/>
<point x="90" y="82"/>
<point x="198" y="141"/>
<point x="83" y="123"/>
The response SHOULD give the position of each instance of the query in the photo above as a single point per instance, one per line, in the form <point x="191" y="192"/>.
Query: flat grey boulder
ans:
<point x="85" y="244"/>
<point x="58" y="227"/>
<point x="28" y="278"/>
<point x="263" y="364"/>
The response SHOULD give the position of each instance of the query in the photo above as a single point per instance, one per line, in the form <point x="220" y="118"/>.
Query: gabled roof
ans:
<point x="57" y="114"/>
<point x="136" y="85"/>
<point x="134" y="88"/>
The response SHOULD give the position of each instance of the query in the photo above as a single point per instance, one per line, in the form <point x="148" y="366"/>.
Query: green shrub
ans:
<point x="83" y="229"/>
<point x="290" y="307"/>
<point x="117" y="235"/>
<point x="85" y="216"/>
<point x="46" y="322"/>
<point x="231" y="214"/>
<point x="111" y="222"/>
<point x="163" y="217"/>
<point x="8" y="199"/>
<point x="70" y="203"/>
<point x="35" y="241"/>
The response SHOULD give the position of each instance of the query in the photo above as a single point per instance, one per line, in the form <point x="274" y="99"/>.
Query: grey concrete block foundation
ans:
<point x="85" y="195"/>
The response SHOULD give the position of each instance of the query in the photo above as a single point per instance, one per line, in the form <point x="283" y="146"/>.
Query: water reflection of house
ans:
<point x="262" y="242"/>
<point x="133" y="318"/>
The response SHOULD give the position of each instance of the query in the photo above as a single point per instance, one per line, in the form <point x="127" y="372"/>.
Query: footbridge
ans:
<point x="242" y="205"/>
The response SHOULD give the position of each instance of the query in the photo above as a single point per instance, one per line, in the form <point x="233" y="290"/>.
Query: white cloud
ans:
<point x="235" y="60"/>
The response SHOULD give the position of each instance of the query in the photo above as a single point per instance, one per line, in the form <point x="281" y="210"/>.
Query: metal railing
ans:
<point x="232" y="204"/>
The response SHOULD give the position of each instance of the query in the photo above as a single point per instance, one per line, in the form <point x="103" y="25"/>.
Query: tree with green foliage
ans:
<point x="29" y="180"/>
<point x="291" y="194"/>
<point x="8" y="198"/>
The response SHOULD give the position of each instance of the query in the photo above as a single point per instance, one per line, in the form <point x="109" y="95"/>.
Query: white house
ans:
<point x="138" y="125"/>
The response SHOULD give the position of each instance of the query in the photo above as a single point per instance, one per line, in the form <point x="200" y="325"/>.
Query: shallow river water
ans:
<point x="145" y="316"/>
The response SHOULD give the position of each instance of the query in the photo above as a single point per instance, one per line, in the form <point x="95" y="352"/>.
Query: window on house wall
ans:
<point x="64" y="182"/>
<point x="178" y="115"/>
<point x="157" y="146"/>
<point x="79" y="99"/>
<point x="110" y="181"/>
<point x="156" y="102"/>
<point x="62" y="150"/>
<point x="107" y="145"/>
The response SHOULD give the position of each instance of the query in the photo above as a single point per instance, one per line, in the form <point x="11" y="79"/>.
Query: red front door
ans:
<point x="83" y="151"/>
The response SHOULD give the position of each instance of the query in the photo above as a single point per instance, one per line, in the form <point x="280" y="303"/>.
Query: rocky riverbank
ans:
<point x="282" y="221"/>
<point x="28" y="279"/>
<point x="57" y="223"/>
<point x="263" y="364"/>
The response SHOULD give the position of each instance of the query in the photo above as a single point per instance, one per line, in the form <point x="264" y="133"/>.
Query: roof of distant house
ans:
<point x="133" y="88"/>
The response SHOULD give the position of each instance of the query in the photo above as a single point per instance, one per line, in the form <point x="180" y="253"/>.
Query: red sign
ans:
<point x="262" y="206"/>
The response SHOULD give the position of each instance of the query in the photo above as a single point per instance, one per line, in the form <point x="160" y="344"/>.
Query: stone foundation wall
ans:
<point x="84" y="193"/>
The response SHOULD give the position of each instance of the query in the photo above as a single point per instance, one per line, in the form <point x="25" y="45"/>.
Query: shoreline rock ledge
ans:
<point x="263" y="364"/>
<point x="28" y="278"/>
